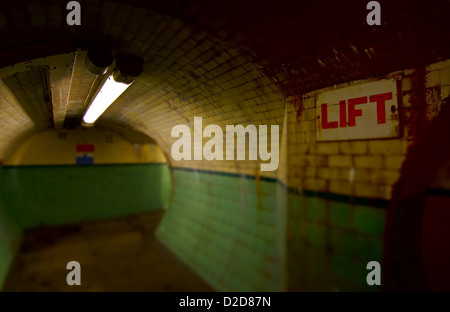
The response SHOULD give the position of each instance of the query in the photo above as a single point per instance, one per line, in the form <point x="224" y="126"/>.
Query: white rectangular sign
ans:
<point x="363" y="111"/>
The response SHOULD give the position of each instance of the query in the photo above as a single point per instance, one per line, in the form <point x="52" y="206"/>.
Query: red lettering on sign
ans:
<point x="381" y="105"/>
<point x="352" y="112"/>
<point x="85" y="148"/>
<point x="342" y="114"/>
<point x="325" y="123"/>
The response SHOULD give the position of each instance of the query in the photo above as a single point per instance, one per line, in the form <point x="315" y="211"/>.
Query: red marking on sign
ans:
<point x="359" y="111"/>
<point x="342" y="114"/>
<point x="325" y="123"/>
<point x="381" y="106"/>
<point x="85" y="148"/>
<point x="380" y="99"/>
<point x="353" y="112"/>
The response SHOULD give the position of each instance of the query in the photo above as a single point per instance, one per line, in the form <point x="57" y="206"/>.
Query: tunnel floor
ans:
<point x="118" y="254"/>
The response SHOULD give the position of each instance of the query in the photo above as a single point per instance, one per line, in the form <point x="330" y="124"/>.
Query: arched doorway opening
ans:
<point x="93" y="196"/>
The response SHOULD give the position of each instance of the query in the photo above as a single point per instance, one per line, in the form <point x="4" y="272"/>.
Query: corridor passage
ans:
<point x="225" y="145"/>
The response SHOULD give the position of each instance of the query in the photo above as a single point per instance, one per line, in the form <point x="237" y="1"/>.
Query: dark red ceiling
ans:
<point x="303" y="45"/>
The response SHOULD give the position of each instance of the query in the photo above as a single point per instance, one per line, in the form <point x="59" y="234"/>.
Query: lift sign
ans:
<point x="364" y="111"/>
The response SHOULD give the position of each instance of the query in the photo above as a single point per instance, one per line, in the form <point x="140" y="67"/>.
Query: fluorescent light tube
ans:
<point x="109" y="92"/>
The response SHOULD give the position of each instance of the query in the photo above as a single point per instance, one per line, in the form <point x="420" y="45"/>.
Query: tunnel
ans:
<point x="261" y="146"/>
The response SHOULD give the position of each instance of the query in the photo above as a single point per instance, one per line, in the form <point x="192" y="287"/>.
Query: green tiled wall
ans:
<point x="228" y="234"/>
<point x="330" y="243"/>
<point x="239" y="241"/>
<point x="51" y="195"/>
<point x="9" y="243"/>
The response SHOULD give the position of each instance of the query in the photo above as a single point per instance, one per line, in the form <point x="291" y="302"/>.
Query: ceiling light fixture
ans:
<point x="126" y="71"/>
<point x="109" y="92"/>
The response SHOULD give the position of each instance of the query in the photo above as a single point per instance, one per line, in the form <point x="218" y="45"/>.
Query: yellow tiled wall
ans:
<point x="365" y="168"/>
<point x="51" y="147"/>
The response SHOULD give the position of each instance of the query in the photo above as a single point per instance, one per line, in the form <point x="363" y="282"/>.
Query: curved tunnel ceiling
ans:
<point x="227" y="61"/>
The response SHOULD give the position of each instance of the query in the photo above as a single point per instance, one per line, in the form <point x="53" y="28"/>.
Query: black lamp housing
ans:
<point x="127" y="69"/>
